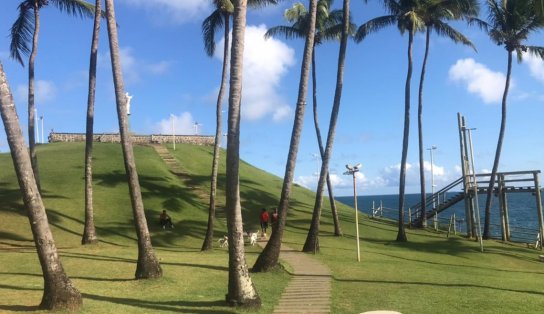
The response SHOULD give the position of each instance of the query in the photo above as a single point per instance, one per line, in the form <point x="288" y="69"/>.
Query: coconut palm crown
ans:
<point x="509" y="24"/>
<point x="22" y="29"/>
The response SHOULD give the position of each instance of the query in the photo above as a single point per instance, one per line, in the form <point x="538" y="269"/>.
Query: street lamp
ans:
<point x="351" y="171"/>
<point x="432" y="174"/>
<point x="41" y="120"/>
<point x="173" y="131"/>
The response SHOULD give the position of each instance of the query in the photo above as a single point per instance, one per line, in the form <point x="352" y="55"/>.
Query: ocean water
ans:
<point x="522" y="211"/>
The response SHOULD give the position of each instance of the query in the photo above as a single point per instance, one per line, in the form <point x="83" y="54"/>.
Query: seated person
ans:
<point x="165" y="220"/>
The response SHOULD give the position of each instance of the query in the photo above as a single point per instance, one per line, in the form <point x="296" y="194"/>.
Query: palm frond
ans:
<point x="443" y="29"/>
<point x="295" y="13"/>
<point x="257" y="4"/>
<point x="288" y="32"/>
<point x="77" y="8"/>
<point x="374" y="25"/>
<point x="535" y="51"/>
<point x="21" y="32"/>
<point x="481" y="24"/>
<point x="210" y="26"/>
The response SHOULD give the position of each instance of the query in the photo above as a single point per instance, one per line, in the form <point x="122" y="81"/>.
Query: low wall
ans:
<point x="139" y="139"/>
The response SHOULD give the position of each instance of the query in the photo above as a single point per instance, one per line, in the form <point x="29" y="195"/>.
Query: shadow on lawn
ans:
<point x="171" y="306"/>
<point x="447" y="285"/>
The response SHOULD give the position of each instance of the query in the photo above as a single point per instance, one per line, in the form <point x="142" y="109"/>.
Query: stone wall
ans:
<point x="140" y="139"/>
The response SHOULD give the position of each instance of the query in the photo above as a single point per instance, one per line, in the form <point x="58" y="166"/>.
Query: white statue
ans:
<point x="129" y="98"/>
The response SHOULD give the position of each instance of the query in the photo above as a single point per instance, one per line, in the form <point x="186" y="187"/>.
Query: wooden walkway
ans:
<point x="310" y="289"/>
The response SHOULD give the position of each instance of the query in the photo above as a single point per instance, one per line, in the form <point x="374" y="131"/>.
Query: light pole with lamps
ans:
<point x="433" y="147"/>
<point x="173" y="131"/>
<point x="41" y="120"/>
<point x="351" y="171"/>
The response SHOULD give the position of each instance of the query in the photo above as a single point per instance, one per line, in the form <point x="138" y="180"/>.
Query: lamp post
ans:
<point x="351" y="171"/>
<point x="432" y="173"/>
<point x="435" y="217"/>
<point x="41" y="120"/>
<point x="173" y="131"/>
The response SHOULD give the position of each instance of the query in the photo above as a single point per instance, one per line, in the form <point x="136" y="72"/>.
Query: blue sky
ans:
<point x="167" y="72"/>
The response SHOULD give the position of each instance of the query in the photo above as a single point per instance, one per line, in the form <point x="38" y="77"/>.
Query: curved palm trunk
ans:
<point x="241" y="291"/>
<point x="89" y="231"/>
<point x="148" y="265"/>
<point x="489" y="199"/>
<point x="270" y="255"/>
<point x="268" y="258"/>
<point x="401" y="235"/>
<point x="423" y="220"/>
<point x="337" y="229"/>
<point x="312" y="240"/>
<point x="59" y="292"/>
<point x="208" y="240"/>
<point x="31" y="105"/>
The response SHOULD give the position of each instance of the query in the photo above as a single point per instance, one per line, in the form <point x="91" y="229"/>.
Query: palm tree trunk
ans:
<point x="241" y="291"/>
<point x="423" y="220"/>
<point x="89" y="231"/>
<point x="312" y="240"/>
<point x="268" y="258"/>
<point x="148" y="265"/>
<point x="337" y="229"/>
<point x="59" y="292"/>
<point x="31" y="105"/>
<point x="401" y="235"/>
<point x="488" y="202"/>
<point x="208" y="240"/>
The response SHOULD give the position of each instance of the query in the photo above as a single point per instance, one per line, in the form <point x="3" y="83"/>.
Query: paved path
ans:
<point x="310" y="289"/>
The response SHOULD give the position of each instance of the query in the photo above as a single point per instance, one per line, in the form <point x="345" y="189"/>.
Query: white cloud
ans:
<point x="479" y="79"/>
<point x="183" y="124"/>
<point x="133" y="67"/>
<point x="536" y="66"/>
<point x="265" y="63"/>
<point x="44" y="91"/>
<point x="159" y="68"/>
<point x="173" y="11"/>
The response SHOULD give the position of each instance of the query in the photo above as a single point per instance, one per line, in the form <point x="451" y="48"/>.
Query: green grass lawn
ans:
<point x="429" y="274"/>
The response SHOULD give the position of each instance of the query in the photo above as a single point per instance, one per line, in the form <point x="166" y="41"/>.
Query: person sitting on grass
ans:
<point x="165" y="220"/>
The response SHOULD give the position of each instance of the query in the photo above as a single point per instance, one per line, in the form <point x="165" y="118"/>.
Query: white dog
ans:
<point x="253" y="238"/>
<point x="224" y="241"/>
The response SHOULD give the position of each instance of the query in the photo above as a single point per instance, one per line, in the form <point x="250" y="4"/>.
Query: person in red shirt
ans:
<point x="264" y="221"/>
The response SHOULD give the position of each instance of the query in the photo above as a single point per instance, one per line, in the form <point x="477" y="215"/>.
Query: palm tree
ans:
<point x="328" y="27"/>
<point x="509" y="24"/>
<point x="405" y="14"/>
<point x="220" y="17"/>
<point x="270" y="255"/>
<point x="241" y="291"/>
<point x="435" y="14"/>
<point x="312" y="240"/>
<point x="89" y="231"/>
<point x="148" y="265"/>
<point x="59" y="292"/>
<point x="26" y="28"/>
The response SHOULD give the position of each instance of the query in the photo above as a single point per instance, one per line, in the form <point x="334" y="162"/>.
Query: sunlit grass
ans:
<point x="429" y="274"/>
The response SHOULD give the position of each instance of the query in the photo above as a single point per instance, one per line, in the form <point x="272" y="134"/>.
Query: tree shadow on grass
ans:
<point x="434" y="284"/>
<point x="172" y="306"/>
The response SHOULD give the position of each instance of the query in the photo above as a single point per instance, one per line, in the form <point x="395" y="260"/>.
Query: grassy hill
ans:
<point x="429" y="274"/>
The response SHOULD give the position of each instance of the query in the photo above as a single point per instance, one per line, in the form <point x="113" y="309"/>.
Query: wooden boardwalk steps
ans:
<point x="310" y="289"/>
